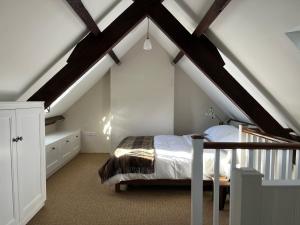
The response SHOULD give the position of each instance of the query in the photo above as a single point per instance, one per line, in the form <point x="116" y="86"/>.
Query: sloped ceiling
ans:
<point x="96" y="72"/>
<point x="34" y="34"/>
<point x="251" y="33"/>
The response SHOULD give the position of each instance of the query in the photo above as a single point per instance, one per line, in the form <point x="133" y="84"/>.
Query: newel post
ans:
<point x="197" y="181"/>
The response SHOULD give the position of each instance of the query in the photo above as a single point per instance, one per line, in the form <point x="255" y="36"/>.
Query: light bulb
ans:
<point x="147" y="44"/>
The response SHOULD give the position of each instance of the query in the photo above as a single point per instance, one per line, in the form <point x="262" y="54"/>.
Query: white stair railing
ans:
<point x="275" y="163"/>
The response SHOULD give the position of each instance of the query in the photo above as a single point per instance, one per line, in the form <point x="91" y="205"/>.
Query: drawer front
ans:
<point x="77" y="142"/>
<point x="52" y="157"/>
<point x="66" y="148"/>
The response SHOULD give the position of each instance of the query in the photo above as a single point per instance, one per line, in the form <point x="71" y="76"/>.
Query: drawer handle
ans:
<point x="76" y="136"/>
<point x="53" y="148"/>
<point x="17" y="139"/>
<point x="67" y="141"/>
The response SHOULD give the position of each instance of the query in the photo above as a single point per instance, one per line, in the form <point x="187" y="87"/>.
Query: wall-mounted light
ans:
<point x="212" y="114"/>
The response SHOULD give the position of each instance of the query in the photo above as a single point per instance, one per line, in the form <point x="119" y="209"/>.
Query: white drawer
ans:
<point x="52" y="158"/>
<point x="66" y="148"/>
<point x="77" y="142"/>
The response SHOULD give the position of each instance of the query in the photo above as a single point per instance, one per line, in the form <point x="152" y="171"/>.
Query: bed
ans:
<point x="167" y="158"/>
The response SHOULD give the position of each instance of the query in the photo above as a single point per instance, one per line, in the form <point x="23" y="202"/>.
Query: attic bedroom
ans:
<point x="149" y="112"/>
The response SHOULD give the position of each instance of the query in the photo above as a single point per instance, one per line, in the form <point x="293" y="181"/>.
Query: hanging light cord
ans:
<point x="148" y="29"/>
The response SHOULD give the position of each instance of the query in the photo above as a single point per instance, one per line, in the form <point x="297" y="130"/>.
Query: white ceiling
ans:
<point x="35" y="35"/>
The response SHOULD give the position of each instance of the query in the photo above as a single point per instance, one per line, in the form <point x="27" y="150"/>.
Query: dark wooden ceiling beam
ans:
<point x="87" y="53"/>
<point x="199" y="50"/>
<point x="84" y="15"/>
<point x="88" y="20"/>
<point x="200" y="56"/>
<point x="210" y="16"/>
<point x="213" y="12"/>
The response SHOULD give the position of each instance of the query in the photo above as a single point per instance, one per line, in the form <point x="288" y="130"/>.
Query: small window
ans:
<point x="294" y="36"/>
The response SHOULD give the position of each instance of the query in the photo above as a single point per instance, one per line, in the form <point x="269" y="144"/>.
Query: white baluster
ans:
<point x="289" y="164"/>
<point x="241" y="153"/>
<point x="267" y="165"/>
<point x="259" y="156"/>
<point x="273" y="165"/>
<point x="298" y="164"/>
<point x="216" y="215"/>
<point x="283" y="164"/>
<point x="263" y="157"/>
<point x="251" y="154"/>
<point x="197" y="183"/>
<point x="232" y="167"/>
<point x="278" y="163"/>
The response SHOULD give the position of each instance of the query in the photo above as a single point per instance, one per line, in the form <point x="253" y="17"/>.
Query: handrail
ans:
<point x="267" y="136"/>
<point x="251" y="145"/>
<point x="240" y="122"/>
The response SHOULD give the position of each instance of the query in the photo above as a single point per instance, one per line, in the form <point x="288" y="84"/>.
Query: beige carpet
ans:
<point x="76" y="197"/>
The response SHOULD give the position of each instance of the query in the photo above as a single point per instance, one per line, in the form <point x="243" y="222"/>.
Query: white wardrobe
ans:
<point x="22" y="161"/>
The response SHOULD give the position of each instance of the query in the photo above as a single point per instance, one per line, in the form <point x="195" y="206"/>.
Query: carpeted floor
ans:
<point x="75" y="196"/>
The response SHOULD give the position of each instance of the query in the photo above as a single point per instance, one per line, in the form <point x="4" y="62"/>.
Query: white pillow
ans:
<point x="234" y="137"/>
<point x="222" y="133"/>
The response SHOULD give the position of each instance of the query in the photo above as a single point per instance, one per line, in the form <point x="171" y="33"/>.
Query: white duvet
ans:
<point x="173" y="160"/>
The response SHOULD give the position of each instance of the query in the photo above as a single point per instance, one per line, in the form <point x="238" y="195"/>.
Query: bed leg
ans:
<point x="118" y="187"/>
<point x="223" y="195"/>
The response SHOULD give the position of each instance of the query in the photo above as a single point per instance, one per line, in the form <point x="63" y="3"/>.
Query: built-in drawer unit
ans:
<point x="61" y="147"/>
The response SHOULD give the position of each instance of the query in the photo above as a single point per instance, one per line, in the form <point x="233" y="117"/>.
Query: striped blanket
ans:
<point x="133" y="155"/>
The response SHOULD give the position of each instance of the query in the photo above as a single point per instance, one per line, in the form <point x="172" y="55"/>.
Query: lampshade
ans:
<point x="147" y="44"/>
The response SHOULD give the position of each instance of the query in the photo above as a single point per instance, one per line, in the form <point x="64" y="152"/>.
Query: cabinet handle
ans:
<point x="17" y="139"/>
<point x="53" y="148"/>
<point x="67" y="141"/>
<point x="76" y="136"/>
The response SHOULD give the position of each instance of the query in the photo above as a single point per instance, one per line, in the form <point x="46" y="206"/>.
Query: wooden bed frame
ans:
<point x="207" y="186"/>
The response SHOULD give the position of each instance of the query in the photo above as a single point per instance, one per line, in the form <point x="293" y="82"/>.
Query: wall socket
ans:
<point x="90" y="133"/>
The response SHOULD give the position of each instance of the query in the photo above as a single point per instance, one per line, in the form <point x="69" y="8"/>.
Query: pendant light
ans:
<point x="147" y="43"/>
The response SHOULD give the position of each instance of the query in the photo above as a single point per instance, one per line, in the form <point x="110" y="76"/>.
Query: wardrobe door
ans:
<point x="8" y="173"/>
<point x="31" y="169"/>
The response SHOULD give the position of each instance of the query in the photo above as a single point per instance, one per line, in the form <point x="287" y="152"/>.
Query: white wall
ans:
<point x="142" y="93"/>
<point x="191" y="104"/>
<point x="91" y="114"/>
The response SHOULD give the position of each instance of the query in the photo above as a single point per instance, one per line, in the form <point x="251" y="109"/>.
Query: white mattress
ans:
<point x="173" y="160"/>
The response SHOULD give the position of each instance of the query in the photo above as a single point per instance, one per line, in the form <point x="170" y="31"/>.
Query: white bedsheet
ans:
<point x="173" y="160"/>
